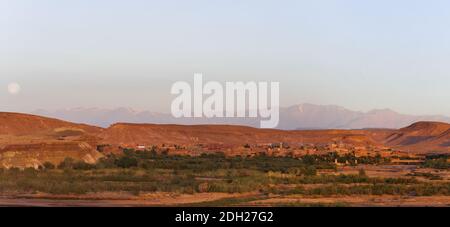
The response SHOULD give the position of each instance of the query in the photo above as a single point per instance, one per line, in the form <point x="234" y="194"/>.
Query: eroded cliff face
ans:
<point x="30" y="141"/>
<point x="35" y="155"/>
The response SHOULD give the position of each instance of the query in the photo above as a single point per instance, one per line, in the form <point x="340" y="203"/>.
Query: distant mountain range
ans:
<point x="311" y="116"/>
<point x="302" y="116"/>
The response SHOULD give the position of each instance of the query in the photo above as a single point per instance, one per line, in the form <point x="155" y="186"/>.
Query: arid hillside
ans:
<point x="26" y="124"/>
<point x="133" y="134"/>
<point x="29" y="140"/>
<point x="422" y="136"/>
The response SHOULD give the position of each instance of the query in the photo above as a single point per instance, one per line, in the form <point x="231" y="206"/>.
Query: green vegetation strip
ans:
<point x="146" y="172"/>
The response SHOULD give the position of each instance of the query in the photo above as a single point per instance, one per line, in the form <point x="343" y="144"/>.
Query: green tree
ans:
<point x="68" y="163"/>
<point x="48" y="165"/>
<point x="127" y="162"/>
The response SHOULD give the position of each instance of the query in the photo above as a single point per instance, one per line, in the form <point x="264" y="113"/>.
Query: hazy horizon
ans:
<point x="301" y="116"/>
<point x="137" y="110"/>
<point x="109" y="54"/>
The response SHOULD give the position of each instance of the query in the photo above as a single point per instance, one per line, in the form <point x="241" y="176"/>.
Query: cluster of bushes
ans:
<point x="436" y="163"/>
<point x="429" y="176"/>
<point x="149" y="171"/>
<point x="136" y="180"/>
<point x="81" y="182"/>
<point x="104" y="163"/>
<point x="151" y="159"/>
<point x="342" y="179"/>
<point x="351" y="159"/>
<point x="205" y="162"/>
<point x="307" y="165"/>
<point x="370" y="189"/>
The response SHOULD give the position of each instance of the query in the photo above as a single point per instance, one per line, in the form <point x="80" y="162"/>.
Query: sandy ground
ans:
<point x="391" y="171"/>
<point x="116" y="199"/>
<point x="171" y="199"/>
<point x="358" y="201"/>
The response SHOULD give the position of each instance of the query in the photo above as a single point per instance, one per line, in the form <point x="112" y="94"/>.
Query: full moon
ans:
<point x="13" y="88"/>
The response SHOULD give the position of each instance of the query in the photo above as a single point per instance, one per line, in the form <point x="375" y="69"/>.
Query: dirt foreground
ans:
<point x="220" y="199"/>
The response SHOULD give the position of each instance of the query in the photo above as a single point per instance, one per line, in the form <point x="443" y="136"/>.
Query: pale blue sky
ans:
<point x="106" y="53"/>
